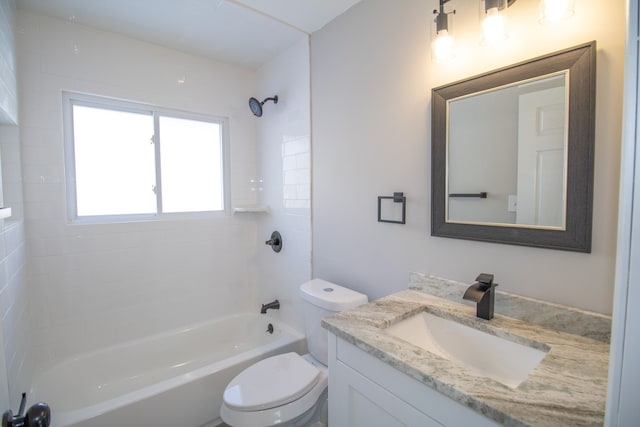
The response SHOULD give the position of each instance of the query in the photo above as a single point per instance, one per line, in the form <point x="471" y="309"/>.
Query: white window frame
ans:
<point x="69" y="99"/>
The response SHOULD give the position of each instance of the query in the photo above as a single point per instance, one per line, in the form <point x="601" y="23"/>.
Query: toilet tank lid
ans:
<point x="330" y="296"/>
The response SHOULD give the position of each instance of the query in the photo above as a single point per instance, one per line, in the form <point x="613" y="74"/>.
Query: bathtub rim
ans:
<point x="289" y="336"/>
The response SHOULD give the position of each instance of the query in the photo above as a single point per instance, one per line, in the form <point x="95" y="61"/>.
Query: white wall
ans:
<point x="14" y="303"/>
<point x="372" y="74"/>
<point x="13" y="289"/>
<point x="95" y="285"/>
<point x="285" y="171"/>
<point x="624" y="372"/>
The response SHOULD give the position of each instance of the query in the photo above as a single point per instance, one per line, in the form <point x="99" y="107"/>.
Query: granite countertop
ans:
<point x="567" y="388"/>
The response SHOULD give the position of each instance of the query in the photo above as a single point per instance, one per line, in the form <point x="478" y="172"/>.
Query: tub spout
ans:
<point x="275" y="304"/>
<point x="39" y="415"/>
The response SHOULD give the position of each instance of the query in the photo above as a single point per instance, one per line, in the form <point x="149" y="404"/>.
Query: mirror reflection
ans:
<point x="512" y="153"/>
<point x="507" y="154"/>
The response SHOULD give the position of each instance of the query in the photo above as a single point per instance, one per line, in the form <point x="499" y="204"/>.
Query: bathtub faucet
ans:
<point x="39" y="415"/>
<point x="275" y="304"/>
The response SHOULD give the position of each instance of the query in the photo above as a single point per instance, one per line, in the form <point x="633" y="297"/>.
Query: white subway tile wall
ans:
<point x="94" y="285"/>
<point x="285" y="167"/>
<point x="13" y="305"/>
<point x="13" y="289"/>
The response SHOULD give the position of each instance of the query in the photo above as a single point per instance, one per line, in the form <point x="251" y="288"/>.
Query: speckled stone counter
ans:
<point x="568" y="388"/>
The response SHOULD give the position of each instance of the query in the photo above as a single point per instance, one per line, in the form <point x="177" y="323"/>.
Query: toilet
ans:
<point x="289" y="389"/>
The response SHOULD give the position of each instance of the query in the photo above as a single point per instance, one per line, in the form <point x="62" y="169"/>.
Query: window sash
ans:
<point x="72" y="99"/>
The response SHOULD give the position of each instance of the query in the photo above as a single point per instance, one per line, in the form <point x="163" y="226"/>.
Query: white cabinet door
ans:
<point x="362" y="403"/>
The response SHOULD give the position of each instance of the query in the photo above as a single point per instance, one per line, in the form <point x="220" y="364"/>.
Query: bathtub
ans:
<point x="174" y="379"/>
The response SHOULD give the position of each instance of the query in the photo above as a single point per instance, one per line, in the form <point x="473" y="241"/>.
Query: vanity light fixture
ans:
<point x="442" y="45"/>
<point x="493" y="22"/>
<point x="494" y="27"/>
<point x="555" y="10"/>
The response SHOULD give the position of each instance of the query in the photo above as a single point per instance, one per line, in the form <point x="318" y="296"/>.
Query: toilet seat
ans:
<point x="271" y="382"/>
<point x="285" y="412"/>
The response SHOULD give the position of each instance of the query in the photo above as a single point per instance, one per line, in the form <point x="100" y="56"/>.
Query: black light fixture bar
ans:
<point x="442" y="18"/>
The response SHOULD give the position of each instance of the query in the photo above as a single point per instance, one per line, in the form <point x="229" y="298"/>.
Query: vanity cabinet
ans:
<point x="366" y="392"/>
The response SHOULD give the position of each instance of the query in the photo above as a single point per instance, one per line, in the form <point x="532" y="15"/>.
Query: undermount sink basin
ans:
<point x="502" y="360"/>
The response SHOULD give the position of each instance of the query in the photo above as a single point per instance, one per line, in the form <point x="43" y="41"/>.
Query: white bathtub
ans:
<point x="175" y="379"/>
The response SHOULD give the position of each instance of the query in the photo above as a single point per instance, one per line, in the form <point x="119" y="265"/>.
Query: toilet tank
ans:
<point x="322" y="299"/>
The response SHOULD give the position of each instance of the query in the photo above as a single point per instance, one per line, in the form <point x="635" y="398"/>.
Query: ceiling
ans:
<point x="242" y="32"/>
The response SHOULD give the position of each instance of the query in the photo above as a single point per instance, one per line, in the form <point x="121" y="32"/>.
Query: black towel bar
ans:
<point x="481" y="195"/>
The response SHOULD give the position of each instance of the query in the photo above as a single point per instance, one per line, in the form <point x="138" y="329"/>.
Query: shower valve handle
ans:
<point x="275" y="242"/>
<point x="272" y="242"/>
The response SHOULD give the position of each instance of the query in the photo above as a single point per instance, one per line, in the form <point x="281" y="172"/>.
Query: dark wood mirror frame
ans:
<point x="581" y="63"/>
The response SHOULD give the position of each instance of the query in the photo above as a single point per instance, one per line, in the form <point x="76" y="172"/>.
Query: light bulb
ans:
<point x="442" y="46"/>
<point x="493" y="27"/>
<point x="555" y="10"/>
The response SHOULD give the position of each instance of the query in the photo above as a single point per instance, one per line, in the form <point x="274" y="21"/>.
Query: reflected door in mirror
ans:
<point x="542" y="136"/>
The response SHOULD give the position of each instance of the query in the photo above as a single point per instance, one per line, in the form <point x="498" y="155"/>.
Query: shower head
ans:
<point x="256" y="106"/>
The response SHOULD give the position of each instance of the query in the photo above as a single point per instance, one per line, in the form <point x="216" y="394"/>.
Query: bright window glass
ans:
<point x="126" y="159"/>
<point x="114" y="162"/>
<point x="191" y="165"/>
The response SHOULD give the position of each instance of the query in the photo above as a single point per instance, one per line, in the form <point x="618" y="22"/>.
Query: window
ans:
<point x="127" y="159"/>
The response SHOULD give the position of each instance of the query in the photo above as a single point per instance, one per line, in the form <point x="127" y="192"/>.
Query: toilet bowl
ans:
<point x="284" y="390"/>
<point x="289" y="389"/>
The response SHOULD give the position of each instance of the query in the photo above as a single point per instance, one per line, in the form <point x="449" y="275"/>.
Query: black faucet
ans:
<point x="275" y="304"/>
<point x="483" y="293"/>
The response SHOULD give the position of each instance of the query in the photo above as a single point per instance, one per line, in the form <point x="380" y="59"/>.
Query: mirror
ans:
<point x="523" y="128"/>
<point x="512" y="153"/>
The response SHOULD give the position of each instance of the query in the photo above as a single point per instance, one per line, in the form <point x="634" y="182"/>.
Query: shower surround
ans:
<point x="94" y="285"/>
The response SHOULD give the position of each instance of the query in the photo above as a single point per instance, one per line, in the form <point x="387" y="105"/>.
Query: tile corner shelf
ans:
<point x="252" y="209"/>
<point x="5" y="213"/>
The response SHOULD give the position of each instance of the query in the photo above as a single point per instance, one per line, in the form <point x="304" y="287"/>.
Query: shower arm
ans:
<point x="274" y="99"/>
